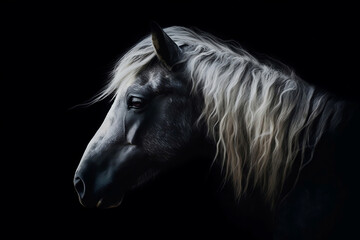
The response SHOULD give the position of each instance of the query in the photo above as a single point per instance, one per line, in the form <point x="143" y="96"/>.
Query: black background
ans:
<point x="58" y="55"/>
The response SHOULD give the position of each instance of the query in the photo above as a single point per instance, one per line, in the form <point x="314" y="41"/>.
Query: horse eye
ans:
<point x="135" y="102"/>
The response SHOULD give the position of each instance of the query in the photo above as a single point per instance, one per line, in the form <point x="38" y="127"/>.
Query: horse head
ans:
<point x="149" y="128"/>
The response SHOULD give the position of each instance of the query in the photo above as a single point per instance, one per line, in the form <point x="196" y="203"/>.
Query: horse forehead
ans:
<point x="156" y="78"/>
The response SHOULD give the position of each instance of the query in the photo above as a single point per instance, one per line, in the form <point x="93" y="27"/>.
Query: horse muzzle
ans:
<point x="102" y="179"/>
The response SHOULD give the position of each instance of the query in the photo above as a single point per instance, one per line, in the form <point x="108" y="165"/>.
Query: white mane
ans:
<point x="260" y="118"/>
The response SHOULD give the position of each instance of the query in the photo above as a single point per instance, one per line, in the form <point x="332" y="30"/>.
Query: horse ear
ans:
<point x="166" y="49"/>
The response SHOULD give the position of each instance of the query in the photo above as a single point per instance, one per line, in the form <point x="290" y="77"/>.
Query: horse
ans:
<point x="180" y="95"/>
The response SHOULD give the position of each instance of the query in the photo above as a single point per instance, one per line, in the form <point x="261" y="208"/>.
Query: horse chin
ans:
<point x="104" y="203"/>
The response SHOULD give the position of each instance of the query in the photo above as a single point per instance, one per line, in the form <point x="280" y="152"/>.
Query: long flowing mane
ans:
<point x="260" y="118"/>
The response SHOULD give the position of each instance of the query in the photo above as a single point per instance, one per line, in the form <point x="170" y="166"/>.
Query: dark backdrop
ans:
<point x="58" y="55"/>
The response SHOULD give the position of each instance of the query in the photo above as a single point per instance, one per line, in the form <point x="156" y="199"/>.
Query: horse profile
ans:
<point x="180" y="95"/>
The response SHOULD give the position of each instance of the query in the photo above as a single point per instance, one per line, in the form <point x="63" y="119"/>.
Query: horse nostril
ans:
<point x="79" y="187"/>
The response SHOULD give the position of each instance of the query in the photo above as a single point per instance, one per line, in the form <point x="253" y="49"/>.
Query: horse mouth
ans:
<point x="104" y="203"/>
